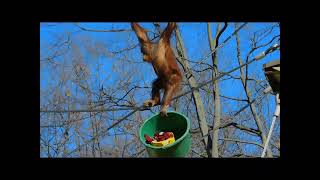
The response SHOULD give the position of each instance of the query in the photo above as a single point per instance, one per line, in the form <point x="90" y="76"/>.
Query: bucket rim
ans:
<point x="170" y="145"/>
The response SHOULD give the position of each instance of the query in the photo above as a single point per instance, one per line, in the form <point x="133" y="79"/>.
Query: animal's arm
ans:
<point x="140" y="32"/>
<point x="168" y="31"/>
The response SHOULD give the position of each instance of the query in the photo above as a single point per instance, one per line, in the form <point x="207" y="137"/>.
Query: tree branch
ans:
<point x="97" y="30"/>
<point x="241" y="141"/>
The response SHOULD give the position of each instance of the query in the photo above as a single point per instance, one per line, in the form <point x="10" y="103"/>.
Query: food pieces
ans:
<point x="160" y="139"/>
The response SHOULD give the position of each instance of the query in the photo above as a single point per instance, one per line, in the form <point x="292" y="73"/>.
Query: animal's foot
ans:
<point x="163" y="112"/>
<point x="149" y="103"/>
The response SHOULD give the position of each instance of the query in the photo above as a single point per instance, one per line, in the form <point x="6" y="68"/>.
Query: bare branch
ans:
<point x="241" y="141"/>
<point x="97" y="30"/>
<point x="235" y="99"/>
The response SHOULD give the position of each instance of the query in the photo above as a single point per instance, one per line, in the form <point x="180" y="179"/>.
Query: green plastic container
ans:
<point x="176" y="123"/>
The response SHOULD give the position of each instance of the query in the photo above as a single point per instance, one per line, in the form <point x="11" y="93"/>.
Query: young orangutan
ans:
<point x="162" y="58"/>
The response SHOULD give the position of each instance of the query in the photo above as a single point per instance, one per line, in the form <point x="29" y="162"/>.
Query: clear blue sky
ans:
<point x="193" y="34"/>
<point x="195" y="40"/>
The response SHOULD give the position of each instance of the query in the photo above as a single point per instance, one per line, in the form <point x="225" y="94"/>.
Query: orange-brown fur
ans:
<point x="164" y="63"/>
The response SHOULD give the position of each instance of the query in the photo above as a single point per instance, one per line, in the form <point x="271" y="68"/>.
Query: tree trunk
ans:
<point x="249" y="97"/>
<point x="195" y="94"/>
<point x="216" y="94"/>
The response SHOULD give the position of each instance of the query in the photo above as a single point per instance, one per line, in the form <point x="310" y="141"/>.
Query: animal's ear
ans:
<point x="168" y="31"/>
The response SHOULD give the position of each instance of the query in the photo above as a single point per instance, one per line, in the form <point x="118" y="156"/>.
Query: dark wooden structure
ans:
<point x="272" y="73"/>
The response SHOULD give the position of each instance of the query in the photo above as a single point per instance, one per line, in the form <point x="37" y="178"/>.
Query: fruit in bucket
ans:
<point x="160" y="139"/>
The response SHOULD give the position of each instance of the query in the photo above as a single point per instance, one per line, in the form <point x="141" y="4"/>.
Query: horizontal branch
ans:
<point x="111" y="30"/>
<point x="231" y="118"/>
<point x="88" y="110"/>
<point x="206" y="69"/>
<point x="236" y="125"/>
<point x="244" y="128"/>
<point x="241" y="141"/>
<point x="235" y="99"/>
<point x="97" y="30"/>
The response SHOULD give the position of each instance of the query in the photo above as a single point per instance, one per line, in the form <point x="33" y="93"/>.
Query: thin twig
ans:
<point x="241" y="141"/>
<point x="97" y="30"/>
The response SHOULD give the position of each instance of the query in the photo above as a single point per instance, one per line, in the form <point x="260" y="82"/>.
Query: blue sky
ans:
<point x="192" y="33"/>
<point x="195" y="41"/>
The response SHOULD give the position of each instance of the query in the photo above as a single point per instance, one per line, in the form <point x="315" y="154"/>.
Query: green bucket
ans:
<point x="176" y="123"/>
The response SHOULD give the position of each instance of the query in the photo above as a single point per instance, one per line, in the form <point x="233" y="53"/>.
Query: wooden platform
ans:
<point x="272" y="73"/>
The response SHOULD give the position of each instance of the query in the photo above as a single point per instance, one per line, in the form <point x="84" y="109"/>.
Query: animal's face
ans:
<point x="146" y="49"/>
<point x="149" y="51"/>
<point x="154" y="52"/>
